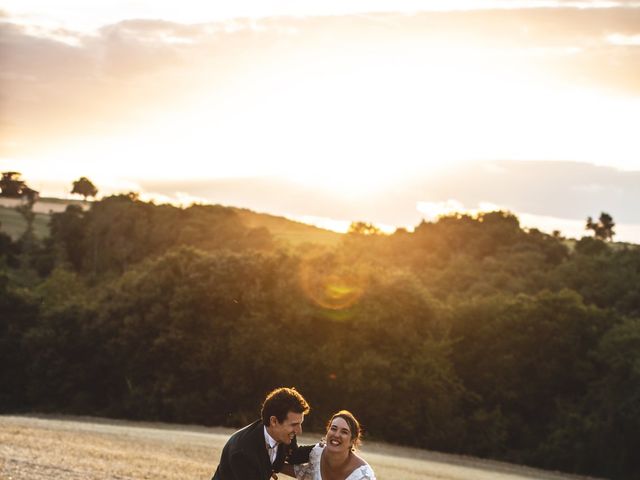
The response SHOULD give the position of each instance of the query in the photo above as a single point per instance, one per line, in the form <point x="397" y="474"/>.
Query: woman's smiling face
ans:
<point x="339" y="437"/>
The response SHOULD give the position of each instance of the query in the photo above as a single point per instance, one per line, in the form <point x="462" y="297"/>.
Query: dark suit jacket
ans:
<point x="245" y="456"/>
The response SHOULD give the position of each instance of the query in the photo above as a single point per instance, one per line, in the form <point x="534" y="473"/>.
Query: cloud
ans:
<point x="272" y="195"/>
<point x="568" y="190"/>
<point x="561" y="190"/>
<point x="577" y="42"/>
<point x="59" y="85"/>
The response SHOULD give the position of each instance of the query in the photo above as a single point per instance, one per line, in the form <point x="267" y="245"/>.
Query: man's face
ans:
<point x="286" y="431"/>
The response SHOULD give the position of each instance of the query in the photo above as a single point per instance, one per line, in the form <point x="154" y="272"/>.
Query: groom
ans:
<point x="260" y="449"/>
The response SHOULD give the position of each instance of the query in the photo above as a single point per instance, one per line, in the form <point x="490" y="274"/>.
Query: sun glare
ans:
<point x="359" y="130"/>
<point x="356" y="123"/>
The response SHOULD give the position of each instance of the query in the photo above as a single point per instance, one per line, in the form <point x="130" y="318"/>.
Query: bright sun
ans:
<point x="359" y="128"/>
<point x="357" y="125"/>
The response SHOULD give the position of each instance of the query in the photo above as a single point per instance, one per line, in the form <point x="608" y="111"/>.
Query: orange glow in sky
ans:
<point x="352" y="99"/>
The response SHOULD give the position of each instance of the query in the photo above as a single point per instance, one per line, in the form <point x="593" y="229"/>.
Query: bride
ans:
<point x="335" y="458"/>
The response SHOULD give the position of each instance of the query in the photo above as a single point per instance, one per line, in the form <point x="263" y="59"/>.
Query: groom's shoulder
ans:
<point x="246" y="433"/>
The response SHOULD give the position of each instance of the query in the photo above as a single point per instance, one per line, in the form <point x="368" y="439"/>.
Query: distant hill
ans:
<point x="282" y="229"/>
<point x="288" y="230"/>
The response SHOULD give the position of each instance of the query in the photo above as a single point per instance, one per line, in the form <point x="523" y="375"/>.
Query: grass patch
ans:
<point x="289" y="231"/>
<point x="14" y="224"/>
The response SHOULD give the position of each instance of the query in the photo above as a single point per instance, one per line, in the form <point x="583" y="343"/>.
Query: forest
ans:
<point x="469" y="334"/>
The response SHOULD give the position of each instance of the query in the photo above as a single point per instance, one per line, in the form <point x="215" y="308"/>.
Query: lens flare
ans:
<point x="332" y="287"/>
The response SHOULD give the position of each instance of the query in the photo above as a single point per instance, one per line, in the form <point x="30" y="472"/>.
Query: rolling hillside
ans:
<point x="288" y="230"/>
<point x="282" y="229"/>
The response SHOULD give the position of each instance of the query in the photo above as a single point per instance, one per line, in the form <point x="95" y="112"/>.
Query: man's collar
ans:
<point x="269" y="439"/>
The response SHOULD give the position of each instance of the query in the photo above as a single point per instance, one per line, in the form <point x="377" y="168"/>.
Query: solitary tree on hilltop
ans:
<point x="12" y="186"/>
<point x="603" y="229"/>
<point x="83" y="186"/>
<point x="363" y="228"/>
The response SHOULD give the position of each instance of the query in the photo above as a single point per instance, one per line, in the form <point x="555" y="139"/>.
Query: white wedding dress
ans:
<point x="311" y="470"/>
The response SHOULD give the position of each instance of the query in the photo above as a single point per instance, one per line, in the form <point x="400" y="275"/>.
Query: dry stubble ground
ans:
<point x="71" y="448"/>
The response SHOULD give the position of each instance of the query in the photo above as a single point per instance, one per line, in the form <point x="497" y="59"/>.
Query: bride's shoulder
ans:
<point x="316" y="451"/>
<point x="364" y="472"/>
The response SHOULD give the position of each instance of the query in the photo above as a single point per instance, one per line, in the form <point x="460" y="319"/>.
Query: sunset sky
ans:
<point x="332" y="111"/>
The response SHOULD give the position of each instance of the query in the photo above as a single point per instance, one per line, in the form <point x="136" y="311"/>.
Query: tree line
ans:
<point x="469" y="335"/>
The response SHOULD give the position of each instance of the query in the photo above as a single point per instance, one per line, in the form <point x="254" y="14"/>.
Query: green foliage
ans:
<point x="603" y="228"/>
<point x="393" y="352"/>
<point x="18" y="313"/>
<point x="591" y="246"/>
<point x="9" y="251"/>
<point x="83" y="186"/>
<point x="526" y="357"/>
<point x="469" y="335"/>
<point x="12" y="186"/>
<point x="60" y="289"/>
<point x="363" y="228"/>
<point x="609" y="279"/>
<point x="180" y="314"/>
<point x="616" y="398"/>
<point x="65" y="355"/>
<point x="120" y="231"/>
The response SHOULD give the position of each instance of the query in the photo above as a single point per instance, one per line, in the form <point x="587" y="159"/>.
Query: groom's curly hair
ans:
<point x="280" y="402"/>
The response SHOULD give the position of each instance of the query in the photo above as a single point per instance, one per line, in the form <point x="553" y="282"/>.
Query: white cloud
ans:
<point x="620" y="39"/>
<point x="358" y="107"/>
<point x="432" y="210"/>
<point x="89" y="16"/>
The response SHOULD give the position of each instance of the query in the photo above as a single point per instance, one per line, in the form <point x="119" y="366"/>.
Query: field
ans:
<point x="64" y="448"/>
<point x="14" y="225"/>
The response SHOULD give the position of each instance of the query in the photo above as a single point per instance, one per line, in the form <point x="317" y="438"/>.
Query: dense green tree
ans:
<point x="119" y="231"/>
<point x="63" y="350"/>
<point x="9" y="251"/>
<point x="603" y="276"/>
<point x="18" y="313"/>
<point x="616" y="403"/>
<point x="26" y="210"/>
<point x="83" y="186"/>
<point x="525" y="357"/>
<point x="363" y="228"/>
<point x="11" y="185"/>
<point x="591" y="246"/>
<point x="603" y="228"/>
<point x="594" y="434"/>
<point x="172" y="321"/>
<point x="393" y="352"/>
<point x="68" y="236"/>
